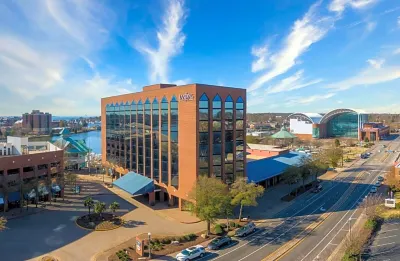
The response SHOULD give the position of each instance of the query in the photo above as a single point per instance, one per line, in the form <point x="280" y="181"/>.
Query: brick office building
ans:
<point x="37" y="122"/>
<point x="23" y="161"/>
<point x="167" y="135"/>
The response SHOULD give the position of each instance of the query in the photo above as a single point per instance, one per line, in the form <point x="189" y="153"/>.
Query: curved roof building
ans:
<point x="336" y="123"/>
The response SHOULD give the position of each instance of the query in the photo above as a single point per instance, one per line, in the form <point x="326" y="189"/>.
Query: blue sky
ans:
<point x="291" y="55"/>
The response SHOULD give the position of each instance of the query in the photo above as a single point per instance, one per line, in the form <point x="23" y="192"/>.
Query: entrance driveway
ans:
<point x="54" y="231"/>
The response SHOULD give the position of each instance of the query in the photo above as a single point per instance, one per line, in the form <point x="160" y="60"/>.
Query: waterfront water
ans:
<point x="92" y="139"/>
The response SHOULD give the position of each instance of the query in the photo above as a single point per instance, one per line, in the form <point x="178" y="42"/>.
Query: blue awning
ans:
<point x="135" y="184"/>
<point x="1" y="201"/>
<point x="14" y="196"/>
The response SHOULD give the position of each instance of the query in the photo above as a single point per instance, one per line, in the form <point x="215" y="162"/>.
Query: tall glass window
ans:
<point x="108" y="132"/>
<point x="127" y="134"/>
<point x="112" y="133"/>
<point x="134" y="137"/>
<point x="147" y="137"/>
<point x="204" y="135"/>
<point x="239" y="137"/>
<point x="156" y="140"/>
<point x="117" y="132"/>
<point x="174" y="142"/>
<point x="140" y="140"/>
<point x="229" y="156"/>
<point x="343" y="125"/>
<point x="164" y="140"/>
<point x="217" y="136"/>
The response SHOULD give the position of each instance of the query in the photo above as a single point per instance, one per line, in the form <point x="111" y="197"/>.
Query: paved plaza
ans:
<point x="53" y="231"/>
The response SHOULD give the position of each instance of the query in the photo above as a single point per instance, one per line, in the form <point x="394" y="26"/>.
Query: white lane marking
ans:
<point x="379" y="238"/>
<point x="391" y="243"/>
<point x="381" y="232"/>
<point x="362" y="194"/>
<point x="280" y="223"/>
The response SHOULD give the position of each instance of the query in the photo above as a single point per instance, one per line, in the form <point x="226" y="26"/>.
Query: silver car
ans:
<point x="245" y="230"/>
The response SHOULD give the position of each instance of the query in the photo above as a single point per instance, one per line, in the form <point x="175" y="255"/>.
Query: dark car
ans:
<point x="218" y="242"/>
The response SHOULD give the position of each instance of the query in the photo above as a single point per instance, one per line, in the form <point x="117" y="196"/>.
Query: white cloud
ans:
<point x="377" y="64"/>
<point x="89" y="62"/>
<point x="261" y="62"/>
<point x="182" y="81"/>
<point x="307" y="100"/>
<point x="375" y="74"/>
<point x="370" y="26"/>
<point x="305" y="32"/>
<point x="340" y="5"/>
<point x="397" y="51"/>
<point x="340" y="102"/>
<point x="170" y="42"/>
<point x="398" y="21"/>
<point x="291" y="83"/>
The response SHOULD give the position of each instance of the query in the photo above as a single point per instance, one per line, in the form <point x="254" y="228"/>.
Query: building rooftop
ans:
<point x="259" y="170"/>
<point x="265" y="147"/>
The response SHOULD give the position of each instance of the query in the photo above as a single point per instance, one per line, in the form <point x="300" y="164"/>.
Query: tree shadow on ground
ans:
<point x="133" y="223"/>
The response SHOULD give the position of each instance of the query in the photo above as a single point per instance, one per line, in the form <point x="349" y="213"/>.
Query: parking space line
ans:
<point x="388" y="230"/>
<point x="379" y="238"/>
<point x="391" y="243"/>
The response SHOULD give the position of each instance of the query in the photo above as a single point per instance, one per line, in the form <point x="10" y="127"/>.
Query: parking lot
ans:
<point x="386" y="244"/>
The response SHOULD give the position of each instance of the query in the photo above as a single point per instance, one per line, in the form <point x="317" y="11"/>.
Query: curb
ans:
<point x="88" y="229"/>
<point x="287" y="247"/>
<point x="29" y="214"/>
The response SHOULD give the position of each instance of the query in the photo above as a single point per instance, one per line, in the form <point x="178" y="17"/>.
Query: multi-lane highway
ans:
<point x="339" y="197"/>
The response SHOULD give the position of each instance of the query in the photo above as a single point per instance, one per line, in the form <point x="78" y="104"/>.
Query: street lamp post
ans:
<point x="350" y="227"/>
<point x="149" y="234"/>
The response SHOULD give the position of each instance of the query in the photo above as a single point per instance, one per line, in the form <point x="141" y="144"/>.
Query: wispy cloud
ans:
<point x="306" y="31"/>
<point x="170" y="42"/>
<point x="291" y="83"/>
<point x="370" y="26"/>
<point x="261" y="53"/>
<point x="397" y="51"/>
<point x="376" y="63"/>
<point x="307" y="100"/>
<point x="182" y="81"/>
<point x="340" y="5"/>
<point x="374" y="74"/>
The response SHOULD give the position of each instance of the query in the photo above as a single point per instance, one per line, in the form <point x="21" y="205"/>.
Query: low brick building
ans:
<point x="27" y="164"/>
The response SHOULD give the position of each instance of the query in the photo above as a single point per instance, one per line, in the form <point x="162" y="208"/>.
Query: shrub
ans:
<point x="187" y="238"/>
<point x="370" y="224"/>
<point x="181" y="239"/>
<point x="223" y="225"/>
<point x="192" y="236"/>
<point x="122" y="255"/>
<point x="218" y="229"/>
<point x="166" y="240"/>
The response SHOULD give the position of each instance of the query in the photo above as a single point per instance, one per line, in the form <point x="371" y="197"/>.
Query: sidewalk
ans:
<point x="18" y="213"/>
<point x="161" y="209"/>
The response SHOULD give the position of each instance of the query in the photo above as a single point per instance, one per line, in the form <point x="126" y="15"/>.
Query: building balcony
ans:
<point x="28" y="174"/>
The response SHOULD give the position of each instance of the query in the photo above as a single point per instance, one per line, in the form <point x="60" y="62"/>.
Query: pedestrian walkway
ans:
<point x="161" y="209"/>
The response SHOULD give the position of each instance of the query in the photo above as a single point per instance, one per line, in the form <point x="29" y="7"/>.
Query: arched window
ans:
<point x="239" y="137"/>
<point x="229" y="143"/>
<point x="174" y="141"/>
<point x="164" y="140"/>
<point x="134" y="137"/>
<point x="217" y="136"/>
<point x="156" y="139"/>
<point x="204" y="135"/>
<point x="140" y="140"/>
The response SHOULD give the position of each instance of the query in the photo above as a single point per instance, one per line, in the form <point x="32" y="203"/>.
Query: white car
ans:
<point x="373" y="190"/>
<point x="191" y="253"/>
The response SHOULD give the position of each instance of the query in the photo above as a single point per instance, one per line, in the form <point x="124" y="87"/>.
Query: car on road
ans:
<point x="317" y="189"/>
<point x="219" y="242"/>
<point x="377" y="184"/>
<point x="246" y="229"/>
<point x="373" y="189"/>
<point x="380" y="178"/>
<point x="191" y="253"/>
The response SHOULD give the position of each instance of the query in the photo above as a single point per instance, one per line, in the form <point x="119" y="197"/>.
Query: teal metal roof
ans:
<point x="71" y="145"/>
<point x="135" y="184"/>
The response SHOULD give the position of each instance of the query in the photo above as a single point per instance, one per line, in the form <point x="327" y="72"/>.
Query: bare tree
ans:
<point x="371" y="206"/>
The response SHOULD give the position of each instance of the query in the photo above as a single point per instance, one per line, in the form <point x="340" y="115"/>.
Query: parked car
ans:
<point x="373" y="189"/>
<point x="377" y="184"/>
<point x="317" y="189"/>
<point x="191" y="253"/>
<point x="245" y="230"/>
<point x="380" y="178"/>
<point x="219" y="242"/>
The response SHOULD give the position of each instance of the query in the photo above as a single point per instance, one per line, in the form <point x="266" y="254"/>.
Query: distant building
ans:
<point x="374" y="131"/>
<point x="37" y="122"/>
<point x="76" y="152"/>
<point x="21" y="160"/>
<point x="261" y="151"/>
<point x="338" y="123"/>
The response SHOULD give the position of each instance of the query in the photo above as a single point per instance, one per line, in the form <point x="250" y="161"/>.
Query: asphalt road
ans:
<point x="270" y="236"/>
<point x="386" y="244"/>
<point x="323" y="241"/>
